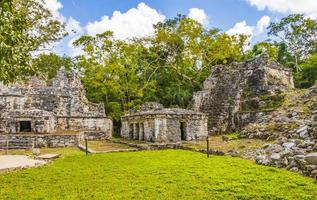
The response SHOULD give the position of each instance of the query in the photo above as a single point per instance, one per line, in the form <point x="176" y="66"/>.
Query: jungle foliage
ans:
<point x="166" y="67"/>
<point x="25" y="27"/>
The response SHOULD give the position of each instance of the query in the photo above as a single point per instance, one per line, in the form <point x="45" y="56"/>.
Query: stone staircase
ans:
<point x="15" y="143"/>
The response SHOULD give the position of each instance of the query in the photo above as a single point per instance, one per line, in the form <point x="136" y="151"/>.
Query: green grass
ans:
<point x="240" y="145"/>
<point x="66" y="151"/>
<point x="169" y="174"/>
<point x="105" y="145"/>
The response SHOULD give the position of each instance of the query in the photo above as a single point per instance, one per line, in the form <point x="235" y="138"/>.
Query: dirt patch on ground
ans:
<point x="12" y="162"/>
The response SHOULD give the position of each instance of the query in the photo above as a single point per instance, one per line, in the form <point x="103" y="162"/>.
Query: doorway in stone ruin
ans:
<point x="25" y="126"/>
<point x="183" y="131"/>
<point x="131" y="131"/>
<point x="137" y="132"/>
<point x="142" y="131"/>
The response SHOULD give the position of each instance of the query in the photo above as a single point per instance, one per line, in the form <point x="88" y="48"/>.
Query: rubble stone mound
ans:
<point x="234" y="94"/>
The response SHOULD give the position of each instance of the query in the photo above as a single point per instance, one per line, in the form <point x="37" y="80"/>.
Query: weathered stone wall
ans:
<point x="164" y="127"/>
<point x="95" y="135"/>
<point x="27" y="141"/>
<point x="60" y="104"/>
<point x="148" y="132"/>
<point x="229" y="86"/>
<point x="85" y="123"/>
<point x="18" y="141"/>
<point x="41" y="121"/>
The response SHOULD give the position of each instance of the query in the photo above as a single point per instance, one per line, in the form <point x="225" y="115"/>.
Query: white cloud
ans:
<point x="73" y="27"/>
<point x="199" y="15"/>
<point x="286" y="6"/>
<point x="312" y="16"/>
<point x="71" y="49"/>
<point x="75" y="31"/>
<point x="136" y="22"/>
<point x="251" y="31"/>
<point x="241" y="28"/>
<point x="262" y="24"/>
<point x="54" y="6"/>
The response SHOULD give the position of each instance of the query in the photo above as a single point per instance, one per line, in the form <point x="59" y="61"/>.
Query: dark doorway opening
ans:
<point x="183" y="131"/>
<point x="137" y="132"/>
<point x="25" y="126"/>
<point x="152" y="139"/>
<point x="131" y="131"/>
<point x="142" y="132"/>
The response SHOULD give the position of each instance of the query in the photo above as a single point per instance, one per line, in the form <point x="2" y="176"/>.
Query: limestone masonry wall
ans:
<point x="40" y="107"/>
<point x="157" y="124"/>
<point x="28" y="141"/>
<point x="238" y="87"/>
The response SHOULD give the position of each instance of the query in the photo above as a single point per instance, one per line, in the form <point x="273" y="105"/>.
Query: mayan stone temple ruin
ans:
<point x="37" y="107"/>
<point x="233" y="95"/>
<point x="155" y="123"/>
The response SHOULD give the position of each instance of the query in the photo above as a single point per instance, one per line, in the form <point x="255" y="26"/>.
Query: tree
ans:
<point x="25" y="26"/>
<point x="308" y="76"/>
<point x="166" y="67"/>
<point x="298" y="34"/>
<point x="113" y="72"/>
<point x="182" y="53"/>
<point x="271" y="49"/>
<point x="47" y="65"/>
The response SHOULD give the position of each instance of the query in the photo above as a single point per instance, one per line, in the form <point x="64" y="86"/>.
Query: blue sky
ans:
<point x="134" y="18"/>
<point x="223" y="13"/>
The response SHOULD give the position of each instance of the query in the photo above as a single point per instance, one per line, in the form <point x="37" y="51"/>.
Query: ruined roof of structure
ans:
<point x="269" y="62"/>
<point x="257" y="59"/>
<point x="165" y="111"/>
<point x="35" y="85"/>
<point x="151" y="106"/>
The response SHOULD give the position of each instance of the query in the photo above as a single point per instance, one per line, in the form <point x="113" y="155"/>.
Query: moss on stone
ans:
<point x="271" y="102"/>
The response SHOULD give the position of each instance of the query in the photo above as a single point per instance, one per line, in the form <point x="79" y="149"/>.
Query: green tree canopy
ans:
<point x="166" y="67"/>
<point x="308" y="76"/>
<point x="47" y="65"/>
<point x="25" y="26"/>
<point x="298" y="34"/>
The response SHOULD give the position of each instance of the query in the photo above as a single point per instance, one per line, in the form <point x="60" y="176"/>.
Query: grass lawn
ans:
<point x="240" y="145"/>
<point x="64" y="151"/>
<point x="105" y="145"/>
<point x="168" y="174"/>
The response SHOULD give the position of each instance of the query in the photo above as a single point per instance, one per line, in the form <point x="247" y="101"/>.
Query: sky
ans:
<point x="134" y="18"/>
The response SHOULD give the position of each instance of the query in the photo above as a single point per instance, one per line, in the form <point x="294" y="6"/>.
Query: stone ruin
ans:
<point x="234" y="94"/>
<point x="59" y="106"/>
<point x="154" y="123"/>
<point x="295" y="149"/>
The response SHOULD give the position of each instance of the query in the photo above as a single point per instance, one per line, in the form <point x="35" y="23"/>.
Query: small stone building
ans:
<point x="41" y="107"/>
<point x="154" y="123"/>
<point x="234" y="94"/>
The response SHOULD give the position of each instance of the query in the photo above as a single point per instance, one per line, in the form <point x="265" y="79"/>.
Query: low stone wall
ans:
<point x="27" y="141"/>
<point x="162" y="146"/>
<point x="96" y="135"/>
